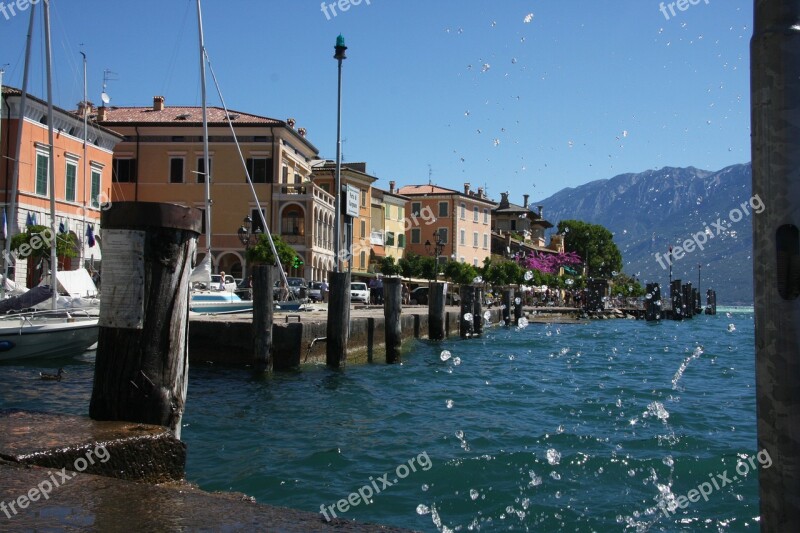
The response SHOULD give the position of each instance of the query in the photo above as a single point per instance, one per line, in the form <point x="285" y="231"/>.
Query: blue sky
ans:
<point x="520" y="96"/>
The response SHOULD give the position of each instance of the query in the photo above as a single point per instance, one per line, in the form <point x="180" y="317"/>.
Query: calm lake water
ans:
<point x="601" y="426"/>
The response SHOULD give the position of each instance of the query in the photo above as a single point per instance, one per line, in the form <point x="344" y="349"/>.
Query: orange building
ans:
<point x="82" y="174"/>
<point x="459" y="221"/>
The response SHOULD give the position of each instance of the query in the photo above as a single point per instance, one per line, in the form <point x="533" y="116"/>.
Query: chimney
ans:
<point x="85" y="108"/>
<point x="466" y="189"/>
<point x="480" y="192"/>
<point x="525" y="200"/>
<point x="540" y="208"/>
<point x="101" y="113"/>
<point x="391" y="187"/>
<point x="158" y="103"/>
<point x="504" y="200"/>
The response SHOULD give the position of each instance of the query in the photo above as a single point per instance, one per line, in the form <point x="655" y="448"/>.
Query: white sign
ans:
<point x="353" y="197"/>
<point x="122" y="304"/>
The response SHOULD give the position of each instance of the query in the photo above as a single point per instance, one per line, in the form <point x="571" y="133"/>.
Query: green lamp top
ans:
<point x="340" y="41"/>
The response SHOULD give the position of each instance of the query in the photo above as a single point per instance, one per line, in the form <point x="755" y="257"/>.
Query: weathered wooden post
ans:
<point x="466" y="319"/>
<point x="477" y="312"/>
<point x="688" y="304"/>
<point x="711" y="302"/>
<point x="338" y="327"/>
<point x="436" y="298"/>
<point x="518" y="303"/>
<point x="775" y="207"/>
<point x="676" y="297"/>
<point x="142" y="365"/>
<point x="392" y="308"/>
<point x="508" y="301"/>
<point x="652" y="302"/>
<point x="262" y="318"/>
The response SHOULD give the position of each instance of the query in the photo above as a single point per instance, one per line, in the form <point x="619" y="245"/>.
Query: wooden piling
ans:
<point x="686" y="296"/>
<point x="142" y="366"/>
<point x="466" y="320"/>
<point x="392" y="308"/>
<point x="518" y="311"/>
<point x="477" y="312"/>
<point x="652" y="305"/>
<point x="508" y="301"/>
<point x="436" y="316"/>
<point x="338" y="328"/>
<point x="263" y="281"/>
<point x="676" y="297"/>
<point x="711" y="302"/>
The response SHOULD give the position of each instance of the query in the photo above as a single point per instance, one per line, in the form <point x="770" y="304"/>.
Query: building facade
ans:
<point x="82" y="176"/>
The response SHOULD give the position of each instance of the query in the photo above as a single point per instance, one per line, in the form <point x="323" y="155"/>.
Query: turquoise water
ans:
<point x="580" y="427"/>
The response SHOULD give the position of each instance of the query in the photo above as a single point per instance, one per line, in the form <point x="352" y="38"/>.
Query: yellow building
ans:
<point x="82" y="177"/>
<point x="388" y="236"/>
<point x="459" y="221"/>
<point x="161" y="160"/>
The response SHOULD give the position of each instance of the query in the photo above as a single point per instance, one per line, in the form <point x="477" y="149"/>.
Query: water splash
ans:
<point x="698" y="351"/>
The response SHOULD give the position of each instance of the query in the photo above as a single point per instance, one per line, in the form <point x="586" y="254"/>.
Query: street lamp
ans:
<point x="337" y="236"/>
<point x="435" y="249"/>
<point x="246" y="236"/>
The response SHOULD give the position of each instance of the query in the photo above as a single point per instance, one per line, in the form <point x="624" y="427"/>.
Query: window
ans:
<point x="475" y="239"/>
<point x="485" y="241"/>
<point x="363" y="229"/>
<point x="388" y="213"/>
<point x="41" y="174"/>
<point x="71" y="176"/>
<point x="401" y="241"/>
<point x="415" y="236"/>
<point x="401" y="213"/>
<point x="475" y="214"/>
<point x="176" y="170"/>
<point x="462" y="259"/>
<point x="202" y="221"/>
<point x="416" y="207"/>
<point x="94" y="198"/>
<point x="260" y="169"/>
<point x="363" y="259"/>
<point x="513" y="225"/>
<point x="363" y="198"/>
<point x="325" y="187"/>
<point x="462" y="238"/>
<point x="257" y="226"/>
<point x="285" y="174"/>
<point x="293" y="221"/>
<point x="124" y="171"/>
<point x="443" y="209"/>
<point x="475" y="262"/>
<point x="389" y="238"/>
<point x="443" y="235"/>
<point x="463" y="211"/>
<point x="201" y="169"/>
<point x="485" y="216"/>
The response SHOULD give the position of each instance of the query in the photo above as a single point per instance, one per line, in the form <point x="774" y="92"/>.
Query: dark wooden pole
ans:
<point x="688" y="304"/>
<point x="508" y="301"/>
<point x="263" y="280"/>
<point x="518" y="307"/>
<point x="338" y="320"/>
<point x="466" y="319"/>
<point x="652" y="305"/>
<point x="477" y="312"/>
<point x="392" y="308"/>
<point x="436" y="311"/>
<point x="676" y="297"/>
<point x="775" y="100"/>
<point x="142" y="365"/>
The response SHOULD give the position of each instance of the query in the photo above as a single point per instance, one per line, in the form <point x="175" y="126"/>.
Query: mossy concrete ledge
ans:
<point x="124" y="450"/>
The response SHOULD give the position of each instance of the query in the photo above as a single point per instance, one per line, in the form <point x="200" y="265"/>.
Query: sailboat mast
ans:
<point x="85" y="159"/>
<point x="11" y="193"/>
<point x="206" y="161"/>
<point x="51" y="163"/>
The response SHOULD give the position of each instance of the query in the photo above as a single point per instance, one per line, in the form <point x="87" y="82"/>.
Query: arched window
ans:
<point x="293" y="221"/>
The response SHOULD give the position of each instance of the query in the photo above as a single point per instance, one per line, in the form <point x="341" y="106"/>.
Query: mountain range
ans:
<point x="708" y="214"/>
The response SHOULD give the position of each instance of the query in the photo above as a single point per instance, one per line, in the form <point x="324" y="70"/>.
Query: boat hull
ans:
<point x="31" y="340"/>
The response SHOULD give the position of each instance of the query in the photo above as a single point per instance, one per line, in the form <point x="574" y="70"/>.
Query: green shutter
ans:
<point x="70" y="192"/>
<point x="41" y="174"/>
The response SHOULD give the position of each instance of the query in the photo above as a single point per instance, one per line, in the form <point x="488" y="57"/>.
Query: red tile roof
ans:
<point x="424" y="189"/>
<point x="191" y="115"/>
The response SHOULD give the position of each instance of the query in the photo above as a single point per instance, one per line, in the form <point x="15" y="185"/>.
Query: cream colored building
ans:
<point x="388" y="236"/>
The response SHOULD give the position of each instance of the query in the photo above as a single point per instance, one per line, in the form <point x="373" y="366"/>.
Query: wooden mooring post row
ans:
<point x="436" y="300"/>
<point x="392" y="308"/>
<point x="142" y="365"/>
<point x="466" y="320"/>
<point x="262" y="318"/>
<point x="338" y="328"/>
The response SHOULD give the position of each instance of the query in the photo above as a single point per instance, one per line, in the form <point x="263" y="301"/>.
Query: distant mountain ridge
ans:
<point x="649" y="211"/>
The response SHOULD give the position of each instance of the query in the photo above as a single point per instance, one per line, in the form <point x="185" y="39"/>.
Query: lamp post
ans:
<point x="246" y="235"/>
<point x="435" y="249"/>
<point x="338" y="56"/>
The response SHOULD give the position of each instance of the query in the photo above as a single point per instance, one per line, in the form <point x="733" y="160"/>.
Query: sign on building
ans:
<point x="353" y="197"/>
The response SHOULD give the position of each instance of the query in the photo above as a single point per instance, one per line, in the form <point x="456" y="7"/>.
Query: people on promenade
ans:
<point x="221" y="281"/>
<point x="406" y="294"/>
<point x="323" y="289"/>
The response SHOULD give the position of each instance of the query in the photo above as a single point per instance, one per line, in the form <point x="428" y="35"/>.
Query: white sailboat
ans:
<point x="53" y="333"/>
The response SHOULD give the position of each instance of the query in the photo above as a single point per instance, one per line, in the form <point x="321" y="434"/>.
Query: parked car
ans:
<point x="297" y="286"/>
<point x="315" y="291"/>
<point x="230" y="284"/>
<point x="359" y="292"/>
<point x="420" y="296"/>
<point x="243" y="290"/>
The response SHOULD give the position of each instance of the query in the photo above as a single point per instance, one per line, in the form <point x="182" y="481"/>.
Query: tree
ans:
<point x="595" y="244"/>
<point x="36" y="240"/>
<point x="460" y="273"/>
<point x="504" y="272"/>
<point x="410" y="266"/>
<point x="388" y="267"/>
<point x="625" y="285"/>
<point x="261" y="252"/>
<point x="429" y="268"/>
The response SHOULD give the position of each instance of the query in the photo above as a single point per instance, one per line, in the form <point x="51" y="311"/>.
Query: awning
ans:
<point x="378" y="251"/>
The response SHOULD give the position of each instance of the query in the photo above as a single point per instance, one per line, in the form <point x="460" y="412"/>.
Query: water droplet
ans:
<point x="460" y="435"/>
<point x="528" y="275"/>
<point x="496" y="142"/>
<point x="456" y="361"/>
<point x="473" y="494"/>
<point x="485" y="67"/>
<point x="487" y="315"/>
<point x="478" y="280"/>
<point x="468" y="317"/>
<point x="522" y="323"/>
<point x="517" y="301"/>
<point x="425" y="487"/>
<point x="553" y="457"/>
<point x="445" y="355"/>
<point x="423" y="509"/>
<point x="528" y="18"/>
<point x="449" y="404"/>
<point x="731" y="328"/>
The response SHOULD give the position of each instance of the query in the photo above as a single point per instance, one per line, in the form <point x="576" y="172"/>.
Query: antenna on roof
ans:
<point x="430" y="174"/>
<point x="108" y="75"/>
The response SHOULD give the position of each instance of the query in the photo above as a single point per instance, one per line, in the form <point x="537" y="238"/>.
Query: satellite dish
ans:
<point x="105" y="98"/>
